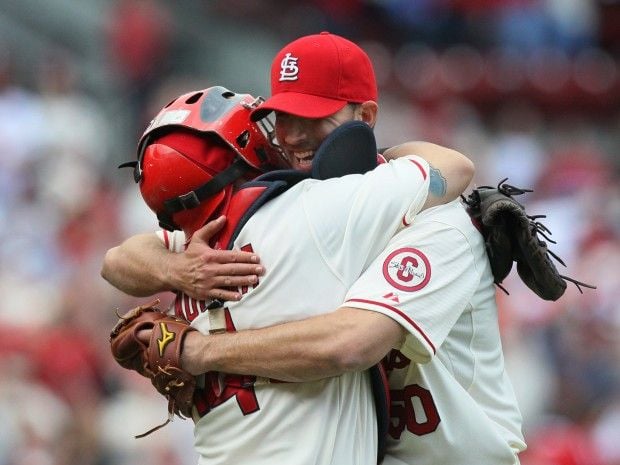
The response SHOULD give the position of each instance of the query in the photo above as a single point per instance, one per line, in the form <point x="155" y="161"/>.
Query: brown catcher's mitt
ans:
<point x="511" y="235"/>
<point x="160" y="359"/>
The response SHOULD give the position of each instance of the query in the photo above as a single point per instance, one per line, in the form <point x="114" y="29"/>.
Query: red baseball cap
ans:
<point x="317" y="75"/>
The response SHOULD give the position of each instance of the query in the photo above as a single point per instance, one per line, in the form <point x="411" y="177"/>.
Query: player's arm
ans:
<point x="136" y="266"/>
<point x="348" y="339"/>
<point x="450" y="171"/>
<point x="359" y="334"/>
<point x="142" y="265"/>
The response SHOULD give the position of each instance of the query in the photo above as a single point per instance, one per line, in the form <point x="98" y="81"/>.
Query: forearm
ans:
<point x="451" y="171"/>
<point x="319" y="347"/>
<point x="138" y="266"/>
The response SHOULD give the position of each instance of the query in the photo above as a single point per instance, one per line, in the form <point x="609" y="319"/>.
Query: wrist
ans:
<point x="169" y="274"/>
<point x="193" y="351"/>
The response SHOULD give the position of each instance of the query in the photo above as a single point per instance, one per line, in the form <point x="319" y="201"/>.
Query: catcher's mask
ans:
<point x="195" y="149"/>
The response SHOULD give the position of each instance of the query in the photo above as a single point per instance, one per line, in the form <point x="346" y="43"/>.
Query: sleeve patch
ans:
<point x="407" y="269"/>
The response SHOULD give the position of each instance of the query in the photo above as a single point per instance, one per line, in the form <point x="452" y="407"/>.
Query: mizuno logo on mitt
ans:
<point x="166" y="338"/>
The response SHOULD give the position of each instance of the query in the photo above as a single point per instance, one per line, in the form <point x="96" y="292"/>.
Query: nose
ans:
<point x="291" y="132"/>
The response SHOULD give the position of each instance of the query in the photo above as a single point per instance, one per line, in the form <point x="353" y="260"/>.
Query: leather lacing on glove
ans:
<point x="160" y="426"/>
<point x="159" y="359"/>
<point x="536" y="229"/>
<point x="172" y="410"/>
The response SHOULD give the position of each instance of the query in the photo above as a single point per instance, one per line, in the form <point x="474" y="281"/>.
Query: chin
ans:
<point x="305" y="168"/>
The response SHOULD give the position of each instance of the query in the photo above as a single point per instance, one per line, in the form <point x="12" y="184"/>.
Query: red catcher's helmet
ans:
<point x="194" y="150"/>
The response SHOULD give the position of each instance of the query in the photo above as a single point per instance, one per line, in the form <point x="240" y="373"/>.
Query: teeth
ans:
<point x="303" y="155"/>
<point x="301" y="160"/>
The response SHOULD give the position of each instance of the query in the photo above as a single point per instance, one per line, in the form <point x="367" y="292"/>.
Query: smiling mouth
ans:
<point x="302" y="160"/>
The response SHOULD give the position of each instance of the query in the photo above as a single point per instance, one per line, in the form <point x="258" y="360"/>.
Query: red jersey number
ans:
<point x="412" y="407"/>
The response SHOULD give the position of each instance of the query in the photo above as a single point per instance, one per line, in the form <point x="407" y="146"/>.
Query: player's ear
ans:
<point x="367" y="112"/>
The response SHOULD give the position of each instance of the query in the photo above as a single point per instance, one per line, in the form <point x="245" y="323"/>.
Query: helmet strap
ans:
<point x="194" y="198"/>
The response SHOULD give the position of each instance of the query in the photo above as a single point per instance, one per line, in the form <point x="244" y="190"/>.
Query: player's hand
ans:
<point x="204" y="273"/>
<point x="191" y="355"/>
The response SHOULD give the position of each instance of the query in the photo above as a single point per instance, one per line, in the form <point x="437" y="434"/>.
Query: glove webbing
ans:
<point x="536" y="227"/>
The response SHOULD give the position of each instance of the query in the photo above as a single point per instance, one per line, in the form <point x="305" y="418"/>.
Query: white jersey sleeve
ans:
<point x="173" y="240"/>
<point x="423" y="280"/>
<point x="371" y="209"/>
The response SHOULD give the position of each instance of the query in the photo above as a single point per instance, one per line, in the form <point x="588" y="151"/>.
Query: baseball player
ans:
<point x="329" y="231"/>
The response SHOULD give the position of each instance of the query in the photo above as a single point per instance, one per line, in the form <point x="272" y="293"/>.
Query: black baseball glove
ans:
<point x="511" y="235"/>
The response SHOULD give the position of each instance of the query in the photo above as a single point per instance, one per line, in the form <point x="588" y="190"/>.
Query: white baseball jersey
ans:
<point x="314" y="240"/>
<point x="451" y="401"/>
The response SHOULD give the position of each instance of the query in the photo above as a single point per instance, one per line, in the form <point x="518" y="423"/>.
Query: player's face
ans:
<point x="300" y="137"/>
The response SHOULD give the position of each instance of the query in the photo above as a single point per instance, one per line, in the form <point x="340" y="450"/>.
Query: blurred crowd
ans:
<point x="529" y="89"/>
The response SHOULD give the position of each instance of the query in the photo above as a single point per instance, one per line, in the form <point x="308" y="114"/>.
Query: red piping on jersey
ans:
<point x="405" y="222"/>
<point x="420" y="167"/>
<point x="166" y="239"/>
<point x="403" y="315"/>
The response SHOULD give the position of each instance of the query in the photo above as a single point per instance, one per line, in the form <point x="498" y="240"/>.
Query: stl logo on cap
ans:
<point x="289" y="68"/>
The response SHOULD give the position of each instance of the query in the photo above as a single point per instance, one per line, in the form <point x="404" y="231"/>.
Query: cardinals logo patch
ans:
<point x="407" y="269"/>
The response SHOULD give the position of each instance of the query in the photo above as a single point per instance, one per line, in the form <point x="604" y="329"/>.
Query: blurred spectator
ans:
<point x="22" y="130"/>
<point x="133" y="409"/>
<point x="34" y="419"/>
<point x="605" y="434"/>
<point x="139" y="35"/>
<point x="560" y="442"/>
<point x="517" y="152"/>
